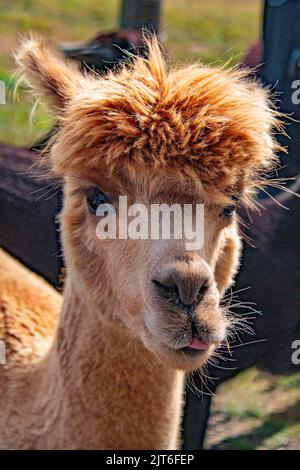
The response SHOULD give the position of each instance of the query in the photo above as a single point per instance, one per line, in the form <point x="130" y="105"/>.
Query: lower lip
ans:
<point x="198" y="344"/>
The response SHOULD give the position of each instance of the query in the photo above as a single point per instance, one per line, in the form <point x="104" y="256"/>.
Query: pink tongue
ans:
<point x="196" y="343"/>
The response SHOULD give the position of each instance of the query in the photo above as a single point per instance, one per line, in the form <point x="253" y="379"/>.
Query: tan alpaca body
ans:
<point x="137" y="314"/>
<point x="63" y="400"/>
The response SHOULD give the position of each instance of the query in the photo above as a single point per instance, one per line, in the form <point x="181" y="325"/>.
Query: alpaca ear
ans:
<point x="228" y="263"/>
<point x="48" y="75"/>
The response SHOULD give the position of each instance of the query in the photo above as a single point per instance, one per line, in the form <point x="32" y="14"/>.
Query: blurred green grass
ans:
<point x="194" y="30"/>
<point x="256" y="411"/>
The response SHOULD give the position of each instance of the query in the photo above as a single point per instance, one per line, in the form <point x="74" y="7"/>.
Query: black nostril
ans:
<point x="168" y="290"/>
<point x="184" y="283"/>
<point x="172" y="291"/>
<point x="202" y="291"/>
<point x="191" y="294"/>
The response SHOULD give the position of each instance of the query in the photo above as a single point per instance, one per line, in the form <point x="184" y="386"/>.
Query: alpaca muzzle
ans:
<point x="183" y="283"/>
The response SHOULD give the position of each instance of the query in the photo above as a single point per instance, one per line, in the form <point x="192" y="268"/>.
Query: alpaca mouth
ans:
<point x="195" y="340"/>
<point x="198" y="344"/>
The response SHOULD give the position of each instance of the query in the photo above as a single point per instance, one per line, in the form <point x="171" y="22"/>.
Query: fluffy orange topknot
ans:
<point x="211" y="119"/>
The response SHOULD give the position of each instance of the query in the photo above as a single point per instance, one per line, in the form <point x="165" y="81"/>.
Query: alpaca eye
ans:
<point x="228" y="211"/>
<point x="95" y="198"/>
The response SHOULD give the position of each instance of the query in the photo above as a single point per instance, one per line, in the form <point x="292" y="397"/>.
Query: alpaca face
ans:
<point x="167" y="296"/>
<point x="193" y="136"/>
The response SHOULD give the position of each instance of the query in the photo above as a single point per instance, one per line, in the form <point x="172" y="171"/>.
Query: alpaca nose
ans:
<point x="184" y="284"/>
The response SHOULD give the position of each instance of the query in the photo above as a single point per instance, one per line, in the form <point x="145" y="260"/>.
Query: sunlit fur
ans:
<point x="110" y="373"/>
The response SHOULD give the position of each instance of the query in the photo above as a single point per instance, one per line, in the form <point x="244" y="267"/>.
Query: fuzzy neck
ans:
<point x="114" y="394"/>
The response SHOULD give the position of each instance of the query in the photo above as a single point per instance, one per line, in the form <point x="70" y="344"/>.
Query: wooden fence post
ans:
<point x="136" y="14"/>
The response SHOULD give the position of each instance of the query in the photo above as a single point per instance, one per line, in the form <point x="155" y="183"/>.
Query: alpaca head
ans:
<point x="197" y="135"/>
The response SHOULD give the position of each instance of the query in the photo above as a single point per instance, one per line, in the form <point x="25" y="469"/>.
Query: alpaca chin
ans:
<point x="187" y="361"/>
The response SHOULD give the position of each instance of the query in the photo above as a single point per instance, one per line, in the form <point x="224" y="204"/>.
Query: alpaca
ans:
<point x="104" y="365"/>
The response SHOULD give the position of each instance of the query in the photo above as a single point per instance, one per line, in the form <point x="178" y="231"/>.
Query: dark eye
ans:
<point x="228" y="211"/>
<point x="95" y="198"/>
